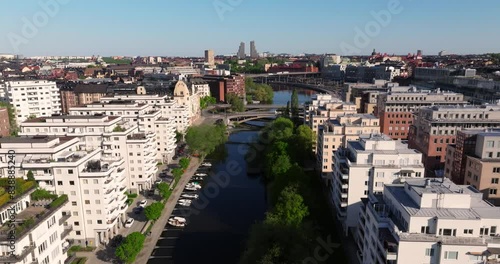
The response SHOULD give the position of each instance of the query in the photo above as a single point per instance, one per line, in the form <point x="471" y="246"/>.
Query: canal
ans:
<point x="229" y="203"/>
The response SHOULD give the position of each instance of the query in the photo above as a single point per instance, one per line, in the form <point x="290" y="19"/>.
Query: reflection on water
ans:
<point x="283" y="94"/>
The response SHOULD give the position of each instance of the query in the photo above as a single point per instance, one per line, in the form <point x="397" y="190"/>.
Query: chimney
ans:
<point x="427" y="183"/>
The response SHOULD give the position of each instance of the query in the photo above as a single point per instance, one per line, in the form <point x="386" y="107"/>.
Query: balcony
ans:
<point x="67" y="230"/>
<point x="19" y="257"/>
<point x="112" y="221"/>
<point x="64" y="218"/>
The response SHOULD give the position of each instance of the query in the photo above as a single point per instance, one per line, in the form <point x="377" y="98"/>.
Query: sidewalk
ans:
<point x="160" y="224"/>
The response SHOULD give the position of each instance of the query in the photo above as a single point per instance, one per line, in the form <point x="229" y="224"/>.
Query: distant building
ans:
<point x="241" y="51"/>
<point x="210" y="57"/>
<point x="4" y="122"/>
<point x="253" y="50"/>
<point x="220" y="86"/>
<point x="443" y="53"/>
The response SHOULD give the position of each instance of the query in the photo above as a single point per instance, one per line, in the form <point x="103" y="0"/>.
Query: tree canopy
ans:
<point x="207" y="101"/>
<point x="237" y="104"/>
<point x="204" y="139"/>
<point x="295" y="104"/>
<point x="128" y="250"/>
<point x="164" y="189"/>
<point x="259" y="92"/>
<point x="153" y="211"/>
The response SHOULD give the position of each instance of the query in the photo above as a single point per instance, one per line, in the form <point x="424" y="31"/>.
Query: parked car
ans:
<point x="143" y="203"/>
<point x="129" y="222"/>
<point x="163" y="175"/>
<point x="138" y="210"/>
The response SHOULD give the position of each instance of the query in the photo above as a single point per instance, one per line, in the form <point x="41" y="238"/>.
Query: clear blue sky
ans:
<point x="187" y="27"/>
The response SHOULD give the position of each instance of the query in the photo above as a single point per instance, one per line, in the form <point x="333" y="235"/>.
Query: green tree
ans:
<point x="184" y="163"/>
<point x="204" y="139"/>
<point x="302" y="143"/>
<point x="30" y="176"/>
<point x="290" y="210"/>
<point x="178" y="136"/>
<point x="295" y="104"/>
<point x="277" y="160"/>
<point x="177" y="172"/>
<point x="206" y="101"/>
<point x="164" y="190"/>
<point x="130" y="248"/>
<point x="236" y="102"/>
<point x="153" y="211"/>
<point x="279" y="129"/>
<point x="286" y="113"/>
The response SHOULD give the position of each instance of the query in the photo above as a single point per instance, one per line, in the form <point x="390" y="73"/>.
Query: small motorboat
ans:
<point x="191" y="188"/>
<point x="190" y="196"/>
<point x="197" y="178"/>
<point x="184" y="202"/>
<point x="177" y="221"/>
<point x="201" y="174"/>
<point x="194" y="186"/>
<point x="206" y="164"/>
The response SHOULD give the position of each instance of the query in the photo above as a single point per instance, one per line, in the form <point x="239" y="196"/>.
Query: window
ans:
<point x="97" y="201"/>
<point x="59" y="183"/>
<point x="73" y="203"/>
<point x="494" y="180"/>
<point x="87" y="201"/>
<point x="98" y="212"/>
<point x="451" y="255"/>
<point x="96" y="181"/>
<point x="73" y="193"/>
<point x="447" y="232"/>
<point x="78" y="233"/>
<point x="99" y="221"/>
<point x="85" y="181"/>
<point x="496" y="170"/>
<point x="96" y="191"/>
<point x="88" y="212"/>
<point x="493" y="191"/>
<point x="468" y="231"/>
<point x="85" y="191"/>
<point x="490" y="143"/>
<point x="484" y="231"/>
<point x="77" y="223"/>
<point x="424" y="230"/>
<point x="429" y="252"/>
<point x="70" y="171"/>
<point x="71" y="183"/>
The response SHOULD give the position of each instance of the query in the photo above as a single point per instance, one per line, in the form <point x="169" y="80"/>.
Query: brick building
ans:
<point x="220" y="85"/>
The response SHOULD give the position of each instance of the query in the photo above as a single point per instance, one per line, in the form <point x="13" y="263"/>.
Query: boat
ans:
<point x="201" y="174"/>
<point x="206" y="164"/>
<point x="197" y="178"/>
<point x="177" y="221"/>
<point x="191" y="188"/>
<point x="190" y="196"/>
<point x="184" y="202"/>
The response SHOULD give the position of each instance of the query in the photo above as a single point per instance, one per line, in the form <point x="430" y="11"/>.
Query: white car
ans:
<point x="143" y="203"/>
<point x="129" y="222"/>
<point x="206" y="164"/>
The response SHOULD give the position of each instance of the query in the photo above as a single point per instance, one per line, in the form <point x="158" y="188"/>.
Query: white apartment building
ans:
<point x="94" y="182"/>
<point x="364" y="166"/>
<point x="144" y="115"/>
<point x="44" y="241"/>
<point x="168" y="107"/>
<point x="428" y="221"/>
<point x="335" y="133"/>
<point x="31" y="98"/>
<point x="186" y="97"/>
<point x="200" y="87"/>
<point x="112" y="135"/>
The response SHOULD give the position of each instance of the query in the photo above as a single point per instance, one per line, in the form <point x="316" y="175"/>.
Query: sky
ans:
<point x="188" y="27"/>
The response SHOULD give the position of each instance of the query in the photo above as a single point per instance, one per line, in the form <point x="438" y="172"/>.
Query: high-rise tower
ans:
<point x="209" y="57"/>
<point x="253" y="50"/>
<point x="241" y="51"/>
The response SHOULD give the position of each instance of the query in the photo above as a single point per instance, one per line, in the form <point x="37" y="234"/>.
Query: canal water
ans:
<point x="229" y="203"/>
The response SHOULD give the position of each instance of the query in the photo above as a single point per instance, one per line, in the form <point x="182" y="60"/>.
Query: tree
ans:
<point x="277" y="160"/>
<point x="204" y="139"/>
<point x="30" y="176"/>
<point x="164" y="190"/>
<point x="295" y="104"/>
<point x="178" y="136"/>
<point x="206" y="101"/>
<point x="279" y="129"/>
<point x="302" y="143"/>
<point x="286" y="113"/>
<point x="236" y="103"/>
<point x="153" y="211"/>
<point x="130" y="248"/>
<point x="184" y="163"/>
<point x="290" y="209"/>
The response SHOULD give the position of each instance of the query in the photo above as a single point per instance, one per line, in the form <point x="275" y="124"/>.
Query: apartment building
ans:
<point x="483" y="166"/>
<point x="364" y="167"/>
<point x="335" y="133"/>
<point x="395" y="108"/>
<point x="436" y="127"/>
<point x="31" y="98"/>
<point x="148" y="119"/>
<point x="329" y="110"/>
<point x="113" y="135"/>
<point x="41" y="230"/>
<point x="81" y="94"/>
<point x="199" y="86"/>
<point x="428" y="221"/>
<point x="94" y="182"/>
<point x="317" y="100"/>
<point x="221" y="85"/>
<point x="184" y="96"/>
<point x="4" y="122"/>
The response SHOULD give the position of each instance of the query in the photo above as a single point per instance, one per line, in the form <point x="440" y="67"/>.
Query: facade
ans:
<point x="364" y="167"/>
<point x="45" y="241"/>
<point x="395" y="109"/>
<point x="185" y="97"/>
<point x="483" y="166"/>
<point x="94" y="182"/>
<point x="4" y="122"/>
<point x="221" y="85"/>
<point x="428" y="221"/>
<point x="335" y="133"/>
<point x="253" y="50"/>
<point x="209" y="57"/>
<point x="241" y="51"/>
<point x="436" y="127"/>
<point x="199" y="86"/>
<point x="33" y="98"/>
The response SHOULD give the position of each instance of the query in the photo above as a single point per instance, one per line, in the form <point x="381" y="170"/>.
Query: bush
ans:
<point x="129" y="201"/>
<point x="4" y="198"/>
<point x="153" y="211"/>
<point x="59" y="201"/>
<point x="41" y="194"/>
<point x="130" y="248"/>
<point x="184" y="163"/>
<point x="131" y="195"/>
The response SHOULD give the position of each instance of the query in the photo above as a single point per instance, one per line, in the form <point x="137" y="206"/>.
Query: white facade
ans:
<point x="44" y="242"/>
<point x="148" y="120"/>
<point x="31" y="98"/>
<point x="428" y="221"/>
<point x="95" y="182"/>
<point x="364" y="167"/>
<point x="184" y="96"/>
